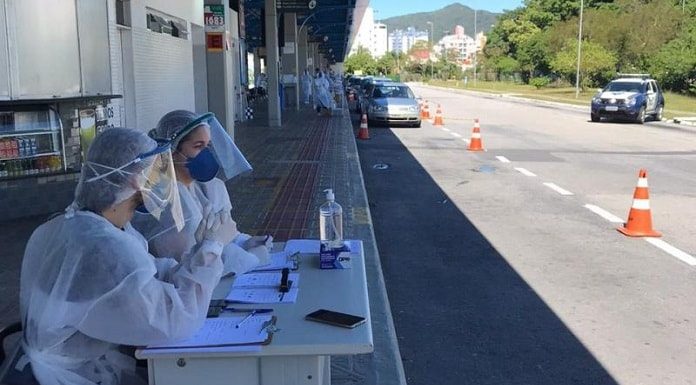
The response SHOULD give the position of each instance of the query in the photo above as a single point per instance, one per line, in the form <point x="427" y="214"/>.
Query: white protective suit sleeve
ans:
<point x="164" y="266"/>
<point x="236" y="259"/>
<point x="158" y="311"/>
<point x="87" y="287"/>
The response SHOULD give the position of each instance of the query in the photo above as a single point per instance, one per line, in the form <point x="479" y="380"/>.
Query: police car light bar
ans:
<point x="640" y="76"/>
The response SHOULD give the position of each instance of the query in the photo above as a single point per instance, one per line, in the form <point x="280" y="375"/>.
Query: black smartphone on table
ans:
<point x="335" y="318"/>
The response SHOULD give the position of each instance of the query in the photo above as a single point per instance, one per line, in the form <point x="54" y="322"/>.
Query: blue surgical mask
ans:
<point x="203" y="167"/>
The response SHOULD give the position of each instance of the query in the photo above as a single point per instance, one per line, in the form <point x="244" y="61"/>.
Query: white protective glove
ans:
<point x="258" y="240"/>
<point x="220" y="229"/>
<point x="260" y="246"/>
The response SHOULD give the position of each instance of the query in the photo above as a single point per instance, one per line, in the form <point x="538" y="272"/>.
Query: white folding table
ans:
<point x="299" y="353"/>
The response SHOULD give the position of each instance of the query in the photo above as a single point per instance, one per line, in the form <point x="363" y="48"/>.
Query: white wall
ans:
<point x="162" y="77"/>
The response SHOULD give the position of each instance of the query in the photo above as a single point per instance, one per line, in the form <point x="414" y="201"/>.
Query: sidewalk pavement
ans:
<point x="292" y="165"/>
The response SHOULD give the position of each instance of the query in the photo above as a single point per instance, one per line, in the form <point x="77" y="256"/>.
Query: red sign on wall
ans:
<point x="214" y="41"/>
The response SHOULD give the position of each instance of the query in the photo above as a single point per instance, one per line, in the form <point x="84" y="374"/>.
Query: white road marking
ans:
<point x="604" y="213"/>
<point x="456" y="135"/>
<point x="465" y="141"/>
<point x="446" y="129"/>
<point x="557" y="189"/>
<point x="503" y="159"/>
<point x="524" y="171"/>
<point x="673" y="251"/>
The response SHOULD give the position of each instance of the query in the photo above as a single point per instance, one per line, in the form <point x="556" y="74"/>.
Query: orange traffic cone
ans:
<point x="426" y="111"/>
<point x="639" y="222"/>
<point x="475" y="144"/>
<point x="438" y="117"/>
<point x="363" y="133"/>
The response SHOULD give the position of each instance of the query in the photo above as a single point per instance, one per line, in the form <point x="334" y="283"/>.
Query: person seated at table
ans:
<point x="204" y="157"/>
<point x="88" y="285"/>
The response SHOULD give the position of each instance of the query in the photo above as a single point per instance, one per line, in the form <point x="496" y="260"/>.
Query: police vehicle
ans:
<point x="635" y="97"/>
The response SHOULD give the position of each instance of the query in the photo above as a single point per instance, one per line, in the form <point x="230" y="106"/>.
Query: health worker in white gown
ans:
<point x="204" y="157"/>
<point x="89" y="287"/>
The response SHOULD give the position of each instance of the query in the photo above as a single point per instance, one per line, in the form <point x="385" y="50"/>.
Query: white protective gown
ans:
<point x="323" y="91"/>
<point x="88" y="287"/>
<point x="306" y="87"/>
<point x="165" y="241"/>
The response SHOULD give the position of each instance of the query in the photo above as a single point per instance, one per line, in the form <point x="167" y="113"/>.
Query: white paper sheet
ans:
<point x="262" y="295"/>
<point x="279" y="261"/>
<point x="263" y="280"/>
<point x="222" y="331"/>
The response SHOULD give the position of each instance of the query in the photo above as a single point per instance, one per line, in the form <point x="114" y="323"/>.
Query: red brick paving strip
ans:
<point x="288" y="216"/>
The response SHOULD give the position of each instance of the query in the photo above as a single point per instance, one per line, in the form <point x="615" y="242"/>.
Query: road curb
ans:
<point x="389" y="368"/>
<point x="684" y="124"/>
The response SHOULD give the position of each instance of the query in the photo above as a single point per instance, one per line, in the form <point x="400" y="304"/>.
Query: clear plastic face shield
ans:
<point x="156" y="183"/>
<point x="222" y="158"/>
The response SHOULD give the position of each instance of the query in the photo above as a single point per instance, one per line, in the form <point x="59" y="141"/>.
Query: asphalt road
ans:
<point x="496" y="274"/>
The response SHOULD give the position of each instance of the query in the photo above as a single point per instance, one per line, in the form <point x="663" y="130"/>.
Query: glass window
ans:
<point x="625" y="87"/>
<point x="389" y="91"/>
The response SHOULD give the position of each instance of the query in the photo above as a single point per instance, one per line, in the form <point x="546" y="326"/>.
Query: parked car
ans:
<point x="392" y="103"/>
<point x="631" y="96"/>
<point x="368" y="85"/>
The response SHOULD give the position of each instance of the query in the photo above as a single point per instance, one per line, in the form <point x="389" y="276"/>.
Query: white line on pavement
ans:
<point x="503" y="159"/>
<point x="604" y="213"/>
<point x="446" y="129"/>
<point x="524" y="171"/>
<point x="557" y="189"/>
<point x="465" y="141"/>
<point x="673" y="251"/>
<point x="456" y="135"/>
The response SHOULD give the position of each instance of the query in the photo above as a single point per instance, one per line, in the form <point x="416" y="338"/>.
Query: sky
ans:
<point x="389" y="8"/>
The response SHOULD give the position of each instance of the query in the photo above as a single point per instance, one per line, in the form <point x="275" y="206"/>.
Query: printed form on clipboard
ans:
<point x="263" y="288"/>
<point x="219" y="332"/>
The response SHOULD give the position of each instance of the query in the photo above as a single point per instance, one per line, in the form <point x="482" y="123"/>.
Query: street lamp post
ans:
<point x="475" y="47"/>
<point x="577" y="71"/>
<point x="432" y="43"/>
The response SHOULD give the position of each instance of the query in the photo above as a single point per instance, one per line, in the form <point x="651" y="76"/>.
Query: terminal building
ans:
<point x="70" y="69"/>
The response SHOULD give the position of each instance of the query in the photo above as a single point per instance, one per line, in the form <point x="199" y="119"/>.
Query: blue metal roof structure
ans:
<point x="328" y="23"/>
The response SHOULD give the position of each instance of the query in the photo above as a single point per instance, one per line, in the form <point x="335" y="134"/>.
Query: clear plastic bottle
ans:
<point x="331" y="222"/>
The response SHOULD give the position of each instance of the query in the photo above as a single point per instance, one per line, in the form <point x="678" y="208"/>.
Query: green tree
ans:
<point x="675" y="65"/>
<point x="597" y="64"/>
<point x="361" y="60"/>
<point x="506" y="66"/>
<point x="386" y="64"/>
<point x="534" y="56"/>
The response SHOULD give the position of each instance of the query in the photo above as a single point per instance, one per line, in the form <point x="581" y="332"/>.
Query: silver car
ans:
<point x="393" y="103"/>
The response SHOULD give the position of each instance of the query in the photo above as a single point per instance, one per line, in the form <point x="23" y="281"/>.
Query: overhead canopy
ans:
<point x="331" y="23"/>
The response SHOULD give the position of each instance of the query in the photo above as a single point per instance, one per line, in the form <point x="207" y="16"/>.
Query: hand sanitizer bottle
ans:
<point x="331" y="222"/>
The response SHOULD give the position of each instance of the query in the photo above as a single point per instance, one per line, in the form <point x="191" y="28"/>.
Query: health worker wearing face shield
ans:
<point x="204" y="157"/>
<point x="89" y="286"/>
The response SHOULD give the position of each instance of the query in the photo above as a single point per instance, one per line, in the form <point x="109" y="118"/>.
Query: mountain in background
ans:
<point x="444" y="19"/>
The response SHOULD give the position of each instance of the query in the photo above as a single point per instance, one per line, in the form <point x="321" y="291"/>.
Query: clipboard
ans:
<point x="268" y="326"/>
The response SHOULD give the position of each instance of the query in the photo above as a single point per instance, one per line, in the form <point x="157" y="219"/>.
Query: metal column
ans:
<point x="274" y="112"/>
